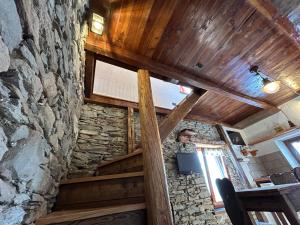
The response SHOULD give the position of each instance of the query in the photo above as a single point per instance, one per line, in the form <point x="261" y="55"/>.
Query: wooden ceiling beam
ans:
<point x="104" y="100"/>
<point x="282" y="23"/>
<point x="97" y="46"/>
<point x="177" y="114"/>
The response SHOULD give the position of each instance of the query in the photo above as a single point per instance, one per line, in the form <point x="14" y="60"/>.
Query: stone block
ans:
<point x="31" y="154"/>
<point x="10" y="24"/>
<point x="12" y="215"/>
<point x="4" y="56"/>
<point x="3" y="143"/>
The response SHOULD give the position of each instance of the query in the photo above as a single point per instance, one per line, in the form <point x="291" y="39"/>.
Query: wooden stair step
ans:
<point x="132" y="162"/>
<point x="100" y="191"/>
<point x="75" y="215"/>
<point x="101" y="178"/>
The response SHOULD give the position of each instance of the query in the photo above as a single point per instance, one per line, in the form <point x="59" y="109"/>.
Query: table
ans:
<point x="278" y="198"/>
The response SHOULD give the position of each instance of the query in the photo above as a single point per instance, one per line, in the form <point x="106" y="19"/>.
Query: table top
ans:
<point x="269" y="190"/>
<point x="263" y="180"/>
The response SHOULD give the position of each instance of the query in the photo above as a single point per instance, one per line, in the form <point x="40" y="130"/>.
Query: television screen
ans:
<point x="188" y="163"/>
<point x="236" y="138"/>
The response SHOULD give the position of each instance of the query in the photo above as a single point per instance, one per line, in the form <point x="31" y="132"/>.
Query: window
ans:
<point x="293" y="145"/>
<point x="213" y="164"/>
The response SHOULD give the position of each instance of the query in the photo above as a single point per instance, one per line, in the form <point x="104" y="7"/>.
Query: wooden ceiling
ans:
<point x="227" y="37"/>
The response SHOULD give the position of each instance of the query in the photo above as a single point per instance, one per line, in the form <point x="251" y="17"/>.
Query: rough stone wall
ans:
<point x="189" y="195"/>
<point x="102" y="137"/>
<point x="41" y="72"/>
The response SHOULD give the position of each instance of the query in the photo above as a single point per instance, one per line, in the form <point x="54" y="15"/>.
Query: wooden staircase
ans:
<point x="114" y="196"/>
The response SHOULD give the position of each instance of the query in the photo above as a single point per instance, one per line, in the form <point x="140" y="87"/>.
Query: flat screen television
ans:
<point x="236" y="138"/>
<point x="188" y="163"/>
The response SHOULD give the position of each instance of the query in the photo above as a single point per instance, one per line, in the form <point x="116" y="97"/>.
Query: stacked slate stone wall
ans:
<point x="103" y="136"/>
<point x="41" y="73"/>
<point x="189" y="195"/>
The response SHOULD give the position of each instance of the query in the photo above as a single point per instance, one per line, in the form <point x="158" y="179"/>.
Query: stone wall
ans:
<point x="41" y="72"/>
<point x="189" y="195"/>
<point x="103" y="135"/>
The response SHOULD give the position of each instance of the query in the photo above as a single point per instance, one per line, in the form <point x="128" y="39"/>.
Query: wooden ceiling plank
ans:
<point x="267" y="9"/>
<point x="140" y="61"/>
<point x="179" y="113"/>
<point x="138" y="21"/>
<point x="157" y="25"/>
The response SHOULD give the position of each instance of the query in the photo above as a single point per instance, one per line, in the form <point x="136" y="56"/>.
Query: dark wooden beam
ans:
<point x="103" y="48"/>
<point x="255" y="118"/>
<point x="100" y="99"/>
<point x="179" y="113"/>
<point x="104" y="100"/>
<point x="130" y="130"/>
<point x="283" y="24"/>
<point x="89" y="73"/>
<point x="156" y="188"/>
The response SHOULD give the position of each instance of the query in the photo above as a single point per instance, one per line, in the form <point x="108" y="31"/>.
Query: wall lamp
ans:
<point x="269" y="87"/>
<point x="97" y="23"/>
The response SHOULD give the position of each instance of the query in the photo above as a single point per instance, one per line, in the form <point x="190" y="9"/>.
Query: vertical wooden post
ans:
<point x="131" y="135"/>
<point x="157" y="196"/>
<point x="90" y="64"/>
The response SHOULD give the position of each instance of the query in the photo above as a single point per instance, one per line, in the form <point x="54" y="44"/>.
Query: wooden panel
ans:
<point x="70" y="216"/>
<point x="126" y="218"/>
<point x="231" y="36"/>
<point x="226" y="37"/>
<point x="99" y="192"/>
<point x="267" y="9"/>
<point x="156" y="189"/>
<point x="131" y="163"/>
<point x="222" y="109"/>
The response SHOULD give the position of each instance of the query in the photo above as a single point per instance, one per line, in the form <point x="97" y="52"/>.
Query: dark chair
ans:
<point x="231" y="203"/>
<point x="296" y="171"/>
<point x="283" y="178"/>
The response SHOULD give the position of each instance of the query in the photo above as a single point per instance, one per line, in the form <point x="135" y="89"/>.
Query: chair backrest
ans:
<point x="231" y="202"/>
<point x="296" y="171"/>
<point x="283" y="178"/>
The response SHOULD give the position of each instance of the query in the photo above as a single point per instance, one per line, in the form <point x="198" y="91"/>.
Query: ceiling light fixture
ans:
<point x="97" y="23"/>
<point x="269" y="87"/>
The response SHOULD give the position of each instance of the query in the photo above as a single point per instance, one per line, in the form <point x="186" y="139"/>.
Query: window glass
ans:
<point x="293" y="145"/>
<point x="213" y="164"/>
<point x="296" y="145"/>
